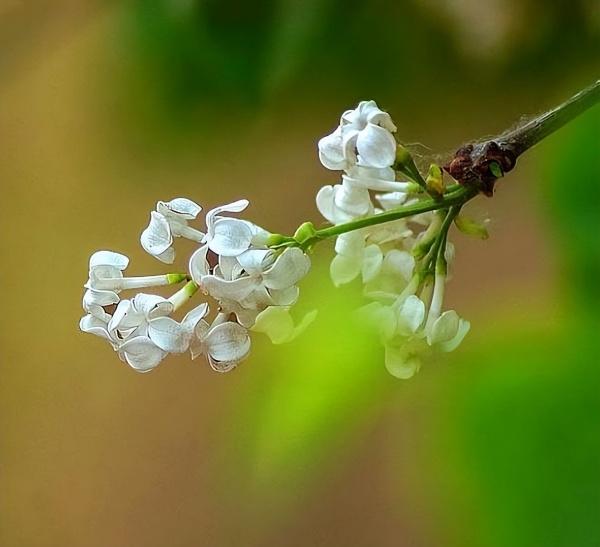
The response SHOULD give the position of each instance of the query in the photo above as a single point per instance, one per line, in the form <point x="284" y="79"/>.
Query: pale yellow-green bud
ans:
<point x="304" y="232"/>
<point x="403" y="157"/>
<point x="470" y="227"/>
<point x="435" y="180"/>
<point x="275" y="239"/>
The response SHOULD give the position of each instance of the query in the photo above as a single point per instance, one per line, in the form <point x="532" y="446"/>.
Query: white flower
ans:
<point x="262" y="269"/>
<point x="106" y="270"/>
<point x="343" y="203"/>
<point x="354" y="258"/>
<point x="106" y="279"/>
<point x="224" y="343"/>
<point x="94" y="302"/>
<point x="93" y="325"/>
<point x="229" y="236"/>
<point x="364" y="137"/>
<point x="170" y="220"/>
<point x="366" y="252"/>
<point x="351" y="199"/>
<point x="146" y="332"/>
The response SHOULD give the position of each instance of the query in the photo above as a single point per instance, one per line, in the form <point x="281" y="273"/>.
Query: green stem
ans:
<point x="433" y="255"/>
<point x="526" y="136"/>
<point x="458" y="197"/>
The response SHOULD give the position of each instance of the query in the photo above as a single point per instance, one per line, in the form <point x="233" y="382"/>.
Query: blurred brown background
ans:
<point x="107" y="107"/>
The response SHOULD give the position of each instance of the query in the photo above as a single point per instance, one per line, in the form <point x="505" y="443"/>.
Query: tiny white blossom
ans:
<point x="364" y="137"/>
<point x="263" y="269"/>
<point x="170" y="220"/>
<point x="228" y="236"/>
<point x="224" y="343"/>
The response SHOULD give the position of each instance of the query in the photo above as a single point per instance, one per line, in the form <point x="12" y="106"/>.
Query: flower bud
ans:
<point x="435" y="180"/>
<point x="470" y="227"/>
<point x="403" y="157"/>
<point x="304" y="232"/>
<point x="275" y="239"/>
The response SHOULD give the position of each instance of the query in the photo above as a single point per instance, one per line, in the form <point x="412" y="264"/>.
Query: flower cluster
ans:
<point x="251" y="285"/>
<point x="402" y="263"/>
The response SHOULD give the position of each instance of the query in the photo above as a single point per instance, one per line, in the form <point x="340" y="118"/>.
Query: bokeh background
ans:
<point x="106" y="107"/>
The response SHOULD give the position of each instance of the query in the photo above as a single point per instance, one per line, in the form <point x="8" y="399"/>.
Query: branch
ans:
<point x="481" y="164"/>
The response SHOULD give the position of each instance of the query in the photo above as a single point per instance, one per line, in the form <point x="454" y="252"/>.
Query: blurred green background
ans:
<point x="107" y="107"/>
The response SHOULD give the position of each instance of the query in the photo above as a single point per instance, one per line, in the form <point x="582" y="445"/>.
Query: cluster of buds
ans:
<point x="403" y="263"/>
<point x="251" y="288"/>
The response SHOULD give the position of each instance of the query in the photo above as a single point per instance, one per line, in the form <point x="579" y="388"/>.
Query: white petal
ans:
<point x="410" y="315"/>
<point x="277" y="323"/>
<point x="93" y="325"/>
<point x="109" y="258"/>
<point x="231" y="237"/>
<point x="344" y="269"/>
<point x="463" y="328"/>
<point x="168" y="335"/>
<point x="399" y="263"/>
<point x="401" y="363"/>
<point x="221" y="289"/>
<point x="350" y="243"/>
<point x="372" y="178"/>
<point x="371" y="262"/>
<point x="246" y="318"/>
<point x="325" y="203"/>
<point x="167" y="257"/>
<point x="198" y="264"/>
<point x="228" y="268"/>
<point x="444" y="328"/>
<point x="235" y="207"/>
<point x="289" y="267"/>
<point x="391" y="200"/>
<point x="331" y="151"/>
<point x="180" y="206"/>
<point x="284" y="297"/>
<point x="197" y="346"/>
<point x="125" y="319"/>
<point x="157" y="237"/>
<point x="142" y="354"/>
<point x="94" y="298"/>
<point x="152" y="305"/>
<point x="256" y="260"/>
<point x="352" y="201"/>
<point x="227" y="342"/>
<point x="260" y="236"/>
<point x="374" y="114"/>
<point x="376" y="147"/>
<point x="193" y="317"/>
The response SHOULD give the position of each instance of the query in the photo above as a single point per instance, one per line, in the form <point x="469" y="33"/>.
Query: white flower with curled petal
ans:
<point x="343" y="202"/>
<point x="444" y="330"/>
<point x="228" y="236"/>
<point x="106" y="278"/>
<point x="403" y="341"/>
<point x="94" y="325"/>
<point x="95" y="302"/>
<point x="146" y="333"/>
<point x="364" y="137"/>
<point x="170" y="220"/>
<point x="351" y="199"/>
<point x="224" y="343"/>
<point x="262" y="268"/>
<point x="106" y="270"/>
